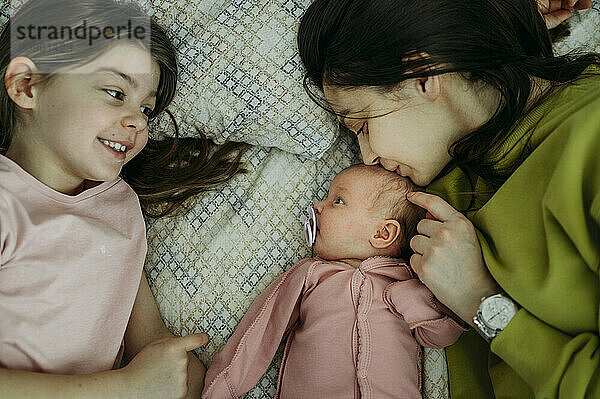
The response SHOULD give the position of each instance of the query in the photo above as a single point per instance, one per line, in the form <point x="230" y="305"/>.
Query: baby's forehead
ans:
<point x="373" y="177"/>
<point x="372" y="181"/>
<point x="357" y="177"/>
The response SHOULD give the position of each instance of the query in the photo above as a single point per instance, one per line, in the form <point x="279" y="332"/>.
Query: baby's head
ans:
<point x="366" y="214"/>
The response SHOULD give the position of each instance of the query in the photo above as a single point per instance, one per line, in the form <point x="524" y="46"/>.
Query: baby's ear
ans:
<point x="387" y="233"/>
<point x="18" y="81"/>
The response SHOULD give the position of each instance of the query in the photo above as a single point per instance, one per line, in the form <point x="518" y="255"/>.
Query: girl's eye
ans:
<point x="339" y="201"/>
<point x="119" y="95"/>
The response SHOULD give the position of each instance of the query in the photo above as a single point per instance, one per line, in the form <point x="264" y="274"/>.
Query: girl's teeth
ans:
<point x="116" y="146"/>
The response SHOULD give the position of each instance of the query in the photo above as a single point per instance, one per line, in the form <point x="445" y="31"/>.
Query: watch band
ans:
<point x="483" y="330"/>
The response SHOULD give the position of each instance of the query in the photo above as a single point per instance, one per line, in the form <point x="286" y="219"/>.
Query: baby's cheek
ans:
<point x="321" y="243"/>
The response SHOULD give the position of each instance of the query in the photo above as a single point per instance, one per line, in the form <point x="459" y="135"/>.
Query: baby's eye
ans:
<point x="147" y="111"/>
<point x="119" y="95"/>
<point x="339" y="201"/>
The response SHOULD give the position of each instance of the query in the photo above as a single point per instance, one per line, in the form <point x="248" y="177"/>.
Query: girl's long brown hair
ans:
<point x="167" y="172"/>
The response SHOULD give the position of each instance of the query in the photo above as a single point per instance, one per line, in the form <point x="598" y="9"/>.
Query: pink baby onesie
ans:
<point x="352" y="333"/>
<point x="70" y="267"/>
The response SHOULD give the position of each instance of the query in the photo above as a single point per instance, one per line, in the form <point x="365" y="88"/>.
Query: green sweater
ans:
<point x="540" y="238"/>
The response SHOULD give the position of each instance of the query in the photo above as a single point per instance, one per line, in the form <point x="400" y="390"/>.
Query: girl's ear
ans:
<point x="18" y="81"/>
<point x="386" y="234"/>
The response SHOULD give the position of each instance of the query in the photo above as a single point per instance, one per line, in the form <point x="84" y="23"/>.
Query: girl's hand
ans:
<point x="555" y="12"/>
<point x="448" y="257"/>
<point x="160" y="369"/>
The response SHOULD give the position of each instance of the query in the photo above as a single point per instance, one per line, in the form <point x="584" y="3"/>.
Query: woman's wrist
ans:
<point x="471" y="308"/>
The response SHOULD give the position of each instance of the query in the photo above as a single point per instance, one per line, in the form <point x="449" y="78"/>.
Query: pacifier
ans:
<point x="310" y="227"/>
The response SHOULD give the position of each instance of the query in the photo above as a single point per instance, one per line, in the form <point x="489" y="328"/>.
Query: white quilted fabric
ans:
<point x="241" y="74"/>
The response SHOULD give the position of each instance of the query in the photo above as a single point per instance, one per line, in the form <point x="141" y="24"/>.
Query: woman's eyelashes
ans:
<point x="356" y="126"/>
<point x="120" y="96"/>
<point x="364" y="129"/>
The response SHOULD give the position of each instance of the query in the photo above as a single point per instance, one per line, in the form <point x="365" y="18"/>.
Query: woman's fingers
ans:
<point x="581" y="4"/>
<point x="555" y="12"/>
<point x="548" y="6"/>
<point x="555" y="18"/>
<point x="191" y="342"/>
<point x="415" y="263"/>
<point x="437" y="207"/>
<point x="418" y="244"/>
<point x="428" y="226"/>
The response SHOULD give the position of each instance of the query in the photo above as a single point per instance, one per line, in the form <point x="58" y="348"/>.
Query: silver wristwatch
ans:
<point x="493" y="315"/>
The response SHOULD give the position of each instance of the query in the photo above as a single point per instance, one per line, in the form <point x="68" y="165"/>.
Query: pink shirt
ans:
<point x="352" y="333"/>
<point x="70" y="267"/>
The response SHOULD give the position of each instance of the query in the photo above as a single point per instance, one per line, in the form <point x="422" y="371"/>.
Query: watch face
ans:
<point x="497" y="311"/>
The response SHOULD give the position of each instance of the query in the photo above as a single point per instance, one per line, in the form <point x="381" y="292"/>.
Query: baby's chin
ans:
<point x="324" y="253"/>
<point x="334" y="253"/>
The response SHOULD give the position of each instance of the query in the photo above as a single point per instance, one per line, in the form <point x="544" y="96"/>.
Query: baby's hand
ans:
<point x="160" y="370"/>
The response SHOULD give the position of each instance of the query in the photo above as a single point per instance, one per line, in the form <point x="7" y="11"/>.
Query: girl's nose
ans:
<point x="368" y="156"/>
<point x="134" y="121"/>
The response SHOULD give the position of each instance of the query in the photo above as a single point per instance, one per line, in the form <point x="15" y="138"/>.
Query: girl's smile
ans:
<point x="117" y="149"/>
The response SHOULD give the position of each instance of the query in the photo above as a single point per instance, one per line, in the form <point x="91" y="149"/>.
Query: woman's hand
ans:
<point x="448" y="257"/>
<point x="160" y="370"/>
<point x="555" y="12"/>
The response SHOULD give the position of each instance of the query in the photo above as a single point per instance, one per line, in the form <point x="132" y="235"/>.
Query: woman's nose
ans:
<point x="368" y="156"/>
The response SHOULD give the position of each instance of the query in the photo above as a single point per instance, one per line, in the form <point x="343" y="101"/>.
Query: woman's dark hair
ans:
<point x="166" y="172"/>
<point x="381" y="43"/>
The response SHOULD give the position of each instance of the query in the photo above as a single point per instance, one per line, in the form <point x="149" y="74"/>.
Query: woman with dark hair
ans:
<point x="468" y="99"/>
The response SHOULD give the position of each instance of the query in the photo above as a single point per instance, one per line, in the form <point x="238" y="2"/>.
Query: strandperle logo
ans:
<point x="82" y="32"/>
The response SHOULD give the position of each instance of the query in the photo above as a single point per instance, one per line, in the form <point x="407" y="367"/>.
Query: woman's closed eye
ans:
<point x="120" y="96"/>
<point x="363" y="129"/>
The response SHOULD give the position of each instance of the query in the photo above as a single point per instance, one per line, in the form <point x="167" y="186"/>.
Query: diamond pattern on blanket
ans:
<point x="243" y="76"/>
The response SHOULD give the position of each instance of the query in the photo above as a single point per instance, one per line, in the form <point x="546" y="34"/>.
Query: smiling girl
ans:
<point x="73" y="297"/>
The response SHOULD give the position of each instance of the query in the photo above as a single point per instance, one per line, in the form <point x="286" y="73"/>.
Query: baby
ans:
<point x="354" y="315"/>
